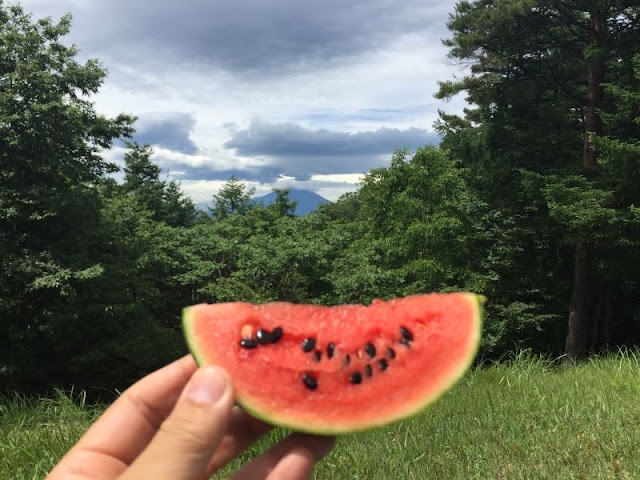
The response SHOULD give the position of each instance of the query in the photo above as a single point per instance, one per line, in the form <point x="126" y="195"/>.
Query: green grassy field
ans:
<point x="525" y="419"/>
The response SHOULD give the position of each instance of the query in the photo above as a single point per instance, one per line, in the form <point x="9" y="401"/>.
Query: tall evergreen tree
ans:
<point x="283" y="204"/>
<point x="162" y="198"/>
<point x="536" y="80"/>
<point x="233" y="197"/>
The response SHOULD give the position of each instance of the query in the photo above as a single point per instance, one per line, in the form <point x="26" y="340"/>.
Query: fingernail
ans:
<point x="207" y="386"/>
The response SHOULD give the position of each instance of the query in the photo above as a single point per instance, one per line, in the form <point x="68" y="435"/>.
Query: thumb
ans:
<point x="187" y="439"/>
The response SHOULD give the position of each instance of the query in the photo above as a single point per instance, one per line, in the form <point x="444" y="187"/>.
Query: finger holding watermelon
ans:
<point x="180" y="423"/>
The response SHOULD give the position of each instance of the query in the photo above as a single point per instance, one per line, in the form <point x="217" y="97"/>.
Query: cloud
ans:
<point x="208" y="167"/>
<point x="245" y="35"/>
<point x="291" y="149"/>
<point x="266" y="152"/>
<point x="288" y="139"/>
<point x="341" y="83"/>
<point x="168" y="130"/>
<point x="265" y="175"/>
<point x="369" y="115"/>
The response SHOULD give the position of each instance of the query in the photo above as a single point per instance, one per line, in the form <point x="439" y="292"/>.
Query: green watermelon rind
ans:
<point x="291" y="424"/>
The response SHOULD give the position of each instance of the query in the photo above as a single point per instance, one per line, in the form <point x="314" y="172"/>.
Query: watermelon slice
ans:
<point x="329" y="370"/>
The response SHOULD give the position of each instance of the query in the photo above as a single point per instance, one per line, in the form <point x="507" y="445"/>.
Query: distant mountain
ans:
<point x="307" y="201"/>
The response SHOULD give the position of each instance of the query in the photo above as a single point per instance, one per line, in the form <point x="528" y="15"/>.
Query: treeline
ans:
<point x="532" y="199"/>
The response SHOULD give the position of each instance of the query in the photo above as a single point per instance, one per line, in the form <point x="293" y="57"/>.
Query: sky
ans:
<point x="280" y="93"/>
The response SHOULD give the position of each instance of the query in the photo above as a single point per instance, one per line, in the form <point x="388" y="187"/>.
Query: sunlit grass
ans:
<point x="522" y="419"/>
<point x="35" y="433"/>
<point x="526" y="418"/>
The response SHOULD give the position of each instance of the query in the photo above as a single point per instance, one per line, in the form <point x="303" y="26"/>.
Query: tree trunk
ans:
<point x="577" y="332"/>
<point x="593" y="124"/>
<point x="579" y="321"/>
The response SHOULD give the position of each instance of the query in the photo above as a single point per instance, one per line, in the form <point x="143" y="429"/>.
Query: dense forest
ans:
<point x="532" y="198"/>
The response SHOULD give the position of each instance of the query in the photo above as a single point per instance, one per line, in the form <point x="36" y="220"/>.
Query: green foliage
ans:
<point x="420" y="216"/>
<point x="579" y="206"/>
<point x="512" y="327"/>
<point x="282" y="204"/>
<point x="233" y="197"/>
<point x="50" y="167"/>
<point x="358" y="275"/>
<point x="522" y="142"/>
<point x="82" y="260"/>
<point x="163" y="199"/>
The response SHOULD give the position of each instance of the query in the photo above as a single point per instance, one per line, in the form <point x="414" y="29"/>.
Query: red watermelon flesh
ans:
<point x="343" y="368"/>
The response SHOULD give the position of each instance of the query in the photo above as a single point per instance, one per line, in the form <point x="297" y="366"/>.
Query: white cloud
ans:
<point x="350" y="178"/>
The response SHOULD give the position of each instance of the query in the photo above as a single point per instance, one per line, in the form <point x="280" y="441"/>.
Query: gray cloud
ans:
<point x="186" y="172"/>
<point x="168" y="130"/>
<point x="293" y="151"/>
<point x="369" y="114"/>
<point x="149" y="46"/>
<point x="287" y="139"/>
<point x="245" y="35"/>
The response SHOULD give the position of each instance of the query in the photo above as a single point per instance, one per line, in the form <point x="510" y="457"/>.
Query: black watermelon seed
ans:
<point x="331" y="348"/>
<point x="248" y="343"/>
<point x="276" y="334"/>
<point x="355" y="378"/>
<point x="406" y="333"/>
<point x="370" y="349"/>
<point x="317" y="355"/>
<point x="263" y="336"/>
<point x="405" y="342"/>
<point x="309" y="381"/>
<point x="367" y="371"/>
<point x="308" y="344"/>
<point x="391" y="353"/>
<point x="347" y="360"/>
<point x="383" y="364"/>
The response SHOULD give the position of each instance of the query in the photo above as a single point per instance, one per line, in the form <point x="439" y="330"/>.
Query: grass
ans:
<point x="524" y="419"/>
<point x="35" y="433"/>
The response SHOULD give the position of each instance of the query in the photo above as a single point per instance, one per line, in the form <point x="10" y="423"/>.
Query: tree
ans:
<point x="163" y="199"/>
<point x="418" y="231"/>
<point x="282" y="204"/>
<point x="50" y="169"/>
<point x="233" y="197"/>
<point x="616" y="318"/>
<point x="537" y="69"/>
<point x="345" y="208"/>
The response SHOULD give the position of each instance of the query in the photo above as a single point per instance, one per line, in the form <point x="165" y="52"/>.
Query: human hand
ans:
<point x="179" y="423"/>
